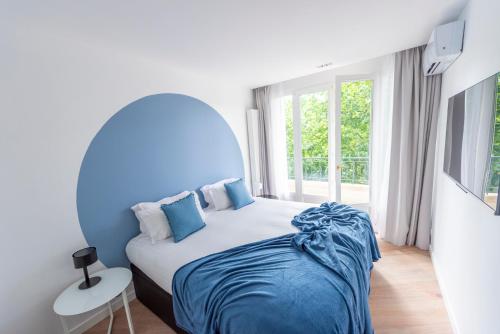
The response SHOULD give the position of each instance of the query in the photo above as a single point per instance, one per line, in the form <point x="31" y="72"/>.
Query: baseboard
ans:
<point x="444" y="294"/>
<point x="101" y="314"/>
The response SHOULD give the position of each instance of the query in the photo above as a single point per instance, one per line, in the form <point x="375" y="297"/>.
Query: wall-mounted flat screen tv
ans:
<point x="472" y="149"/>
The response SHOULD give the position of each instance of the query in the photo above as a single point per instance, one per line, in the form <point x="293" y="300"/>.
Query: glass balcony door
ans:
<point x="308" y="144"/>
<point x="353" y="125"/>
<point x="328" y="144"/>
<point x="314" y="110"/>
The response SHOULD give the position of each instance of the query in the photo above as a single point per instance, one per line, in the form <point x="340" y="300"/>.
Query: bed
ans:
<point x="164" y="144"/>
<point x="155" y="265"/>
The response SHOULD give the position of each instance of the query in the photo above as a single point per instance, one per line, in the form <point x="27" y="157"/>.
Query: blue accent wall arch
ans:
<point x="155" y="147"/>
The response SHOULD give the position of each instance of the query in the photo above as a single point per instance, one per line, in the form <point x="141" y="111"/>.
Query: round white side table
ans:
<point x="73" y="301"/>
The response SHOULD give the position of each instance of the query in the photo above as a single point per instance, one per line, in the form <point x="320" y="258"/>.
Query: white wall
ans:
<point x="466" y="235"/>
<point x="56" y="92"/>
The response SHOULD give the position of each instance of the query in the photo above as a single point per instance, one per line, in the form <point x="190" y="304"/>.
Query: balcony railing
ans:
<point x="494" y="178"/>
<point x="354" y="169"/>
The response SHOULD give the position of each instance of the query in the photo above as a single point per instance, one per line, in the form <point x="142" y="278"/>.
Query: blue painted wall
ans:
<point x="157" y="146"/>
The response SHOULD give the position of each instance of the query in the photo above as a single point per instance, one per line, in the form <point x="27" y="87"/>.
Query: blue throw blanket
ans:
<point x="313" y="281"/>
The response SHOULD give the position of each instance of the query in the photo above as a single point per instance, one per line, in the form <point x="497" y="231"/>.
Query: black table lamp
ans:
<point x="83" y="258"/>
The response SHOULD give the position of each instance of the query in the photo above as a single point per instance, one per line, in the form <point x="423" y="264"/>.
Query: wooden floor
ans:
<point x="405" y="296"/>
<point x="404" y="299"/>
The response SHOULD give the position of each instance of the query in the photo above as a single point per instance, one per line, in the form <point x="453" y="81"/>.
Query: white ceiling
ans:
<point x="252" y="43"/>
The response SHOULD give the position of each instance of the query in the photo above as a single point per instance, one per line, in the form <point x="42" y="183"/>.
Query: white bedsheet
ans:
<point x="225" y="229"/>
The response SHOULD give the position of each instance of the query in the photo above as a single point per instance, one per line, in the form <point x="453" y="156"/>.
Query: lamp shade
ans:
<point x="84" y="257"/>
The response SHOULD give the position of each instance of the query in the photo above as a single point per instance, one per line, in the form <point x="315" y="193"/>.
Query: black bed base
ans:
<point x="155" y="298"/>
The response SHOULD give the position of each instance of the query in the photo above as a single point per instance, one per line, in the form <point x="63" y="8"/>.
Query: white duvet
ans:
<point x="225" y="229"/>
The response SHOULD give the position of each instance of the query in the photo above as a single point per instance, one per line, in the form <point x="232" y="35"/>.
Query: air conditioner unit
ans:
<point x="444" y="46"/>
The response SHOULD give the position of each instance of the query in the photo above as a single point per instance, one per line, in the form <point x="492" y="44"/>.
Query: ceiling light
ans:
<point x="325" y="65"/>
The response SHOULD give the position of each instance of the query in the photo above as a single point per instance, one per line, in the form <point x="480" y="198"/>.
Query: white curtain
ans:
<point x="478" y="130"/>
<point x="381" y="143"/>
<point x="278" y="143"/>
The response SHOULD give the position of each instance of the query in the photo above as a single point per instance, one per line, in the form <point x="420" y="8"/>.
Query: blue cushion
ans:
<point x="183" y="217"/>
<point x="238" y="194"/>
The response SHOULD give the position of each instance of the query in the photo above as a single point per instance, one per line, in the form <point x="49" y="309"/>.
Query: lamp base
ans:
<point x="92" y="281"/>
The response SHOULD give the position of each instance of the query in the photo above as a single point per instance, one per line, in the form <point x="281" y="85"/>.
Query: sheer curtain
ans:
<point x="381" y="144"/>
<point x="272" y="141"/>
<point x="278" y="142"/>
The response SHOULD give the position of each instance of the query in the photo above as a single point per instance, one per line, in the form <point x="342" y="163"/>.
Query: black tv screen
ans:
<point x="472" y="148"/>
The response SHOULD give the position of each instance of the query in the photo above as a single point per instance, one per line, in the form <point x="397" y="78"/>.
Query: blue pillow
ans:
<point x="183" y="217"/>
<point x="238" y="194"/>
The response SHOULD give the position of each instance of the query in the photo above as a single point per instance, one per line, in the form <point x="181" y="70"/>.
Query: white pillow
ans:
<point x="219" y="196"/>
<point x="153" y="221"/>
<point x="205" y="190"/>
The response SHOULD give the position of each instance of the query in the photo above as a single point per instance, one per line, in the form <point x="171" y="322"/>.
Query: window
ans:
<point x="355" y="116"/>
<point x="318" y="169"/>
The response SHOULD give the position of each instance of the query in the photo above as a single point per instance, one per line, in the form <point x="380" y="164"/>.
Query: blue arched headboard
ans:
<point x="155" y="147"/>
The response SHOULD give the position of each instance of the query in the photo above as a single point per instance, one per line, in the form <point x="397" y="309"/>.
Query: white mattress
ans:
<point x="225" y="229"/>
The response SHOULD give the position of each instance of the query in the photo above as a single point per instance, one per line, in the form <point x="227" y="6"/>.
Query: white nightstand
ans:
<point x="73" y="301"/>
